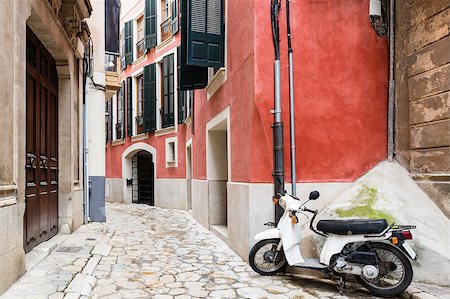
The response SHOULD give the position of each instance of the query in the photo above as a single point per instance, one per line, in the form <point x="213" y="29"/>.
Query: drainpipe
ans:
<point x="291" y="102"/>
<point x="391" y="82"/>
<point x="86" y="59"/>
<point x="277" y="126"/>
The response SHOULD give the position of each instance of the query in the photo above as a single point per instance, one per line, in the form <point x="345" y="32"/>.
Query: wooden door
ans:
<point x="41" y="192"/>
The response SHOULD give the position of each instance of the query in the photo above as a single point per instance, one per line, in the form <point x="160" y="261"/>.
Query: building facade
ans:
<point x="210" y="150"/>
<point x="41" y="190"/>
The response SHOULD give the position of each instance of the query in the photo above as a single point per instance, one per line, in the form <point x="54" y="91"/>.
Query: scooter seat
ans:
<point x="352" y="226"/>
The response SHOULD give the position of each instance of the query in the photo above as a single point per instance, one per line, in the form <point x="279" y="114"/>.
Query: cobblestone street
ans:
<point x="146" y="252"/>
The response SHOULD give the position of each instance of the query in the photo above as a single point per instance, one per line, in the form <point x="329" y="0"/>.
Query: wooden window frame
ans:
<point x="140" y="104"/>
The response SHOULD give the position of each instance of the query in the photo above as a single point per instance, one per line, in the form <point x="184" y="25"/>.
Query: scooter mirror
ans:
<point x="314" y="195"/>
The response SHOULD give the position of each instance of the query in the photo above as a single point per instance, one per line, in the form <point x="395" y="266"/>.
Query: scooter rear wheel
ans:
<point x="395" y="272"/>
<point x="265" y="259"/>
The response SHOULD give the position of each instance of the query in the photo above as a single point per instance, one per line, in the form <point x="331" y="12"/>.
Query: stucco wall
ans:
<point x="14" y="18"/>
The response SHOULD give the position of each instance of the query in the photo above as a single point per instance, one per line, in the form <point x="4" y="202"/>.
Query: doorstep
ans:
<point x="426" y="291"/>
<point x="221" y="231"/>
<point x="39" y="252"/>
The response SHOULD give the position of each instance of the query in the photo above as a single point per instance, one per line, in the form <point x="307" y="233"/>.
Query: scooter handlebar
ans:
<point x="308" y="210"/>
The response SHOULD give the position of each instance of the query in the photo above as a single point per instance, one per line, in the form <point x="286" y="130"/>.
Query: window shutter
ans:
<point x="124" y="51"/>
<point x="129" y="107"/>
<point x="129" y="42"/>
<point x="150" y="98"/>
<point x="107" y="121"/>
<point x="191" y="77"/>
<point x="174" y="17"/>
<point x="181" y="93"/>
<point x="120" y="114"/>
<point x="168" y="91"/>
<point x="111" y="120"/>
<point x="205" y="33"/>
<point x="150" y="24"/>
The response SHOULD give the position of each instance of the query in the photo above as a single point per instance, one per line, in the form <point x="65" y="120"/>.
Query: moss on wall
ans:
<point x="365" y="201"/>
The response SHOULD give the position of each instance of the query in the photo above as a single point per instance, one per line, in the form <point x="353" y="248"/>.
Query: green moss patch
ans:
<point x="365" y="201"/>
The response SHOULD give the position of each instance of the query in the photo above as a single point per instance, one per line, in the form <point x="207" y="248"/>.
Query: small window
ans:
<point x="140" y="104"/>
<point x="140" y="45"/>
<point x="166" y="17"/>
<point x="171" y="152"/>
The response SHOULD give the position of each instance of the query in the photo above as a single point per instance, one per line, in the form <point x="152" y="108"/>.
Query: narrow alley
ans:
<point x="147" y="252"/>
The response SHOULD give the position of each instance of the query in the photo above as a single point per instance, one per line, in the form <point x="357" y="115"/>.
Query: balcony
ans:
<point x="112" y="79"/>
<point x="166" y="27"/>
<point x="140" y="48"/>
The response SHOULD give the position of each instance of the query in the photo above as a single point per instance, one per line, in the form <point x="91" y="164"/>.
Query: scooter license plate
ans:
<point x="409" y="250"/>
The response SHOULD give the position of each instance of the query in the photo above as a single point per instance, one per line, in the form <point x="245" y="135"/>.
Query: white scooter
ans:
<point x="370" y="250"/>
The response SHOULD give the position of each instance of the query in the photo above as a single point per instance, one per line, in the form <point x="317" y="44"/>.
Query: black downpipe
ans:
<point x="277" y="126"/>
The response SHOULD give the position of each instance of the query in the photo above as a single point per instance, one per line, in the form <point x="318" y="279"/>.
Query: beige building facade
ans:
<point x="41" y="190"/>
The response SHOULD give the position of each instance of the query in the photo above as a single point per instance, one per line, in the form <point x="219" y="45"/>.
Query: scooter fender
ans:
<point x="273" y="233"/>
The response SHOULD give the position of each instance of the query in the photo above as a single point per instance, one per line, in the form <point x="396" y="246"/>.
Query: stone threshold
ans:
<point x="221" y="231"/>
<point x="38" y="253"/>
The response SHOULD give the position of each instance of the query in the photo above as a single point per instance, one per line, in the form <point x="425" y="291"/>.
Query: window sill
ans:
<point x="216" y="82"/>
<point x="165" y="131"/>
<point x="137" y="61"/>
<point x="164" y="43"/>
<point x="117" y="142"/>
<point x="138" y="137"/>
<point x="171" y="164"/>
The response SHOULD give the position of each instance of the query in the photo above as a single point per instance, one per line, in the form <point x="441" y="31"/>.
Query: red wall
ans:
<point x="340" y="95"/>
<point x="341" y="69"/>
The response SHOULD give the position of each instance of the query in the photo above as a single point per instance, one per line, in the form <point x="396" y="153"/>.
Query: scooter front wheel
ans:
<point x="265" y="259"/>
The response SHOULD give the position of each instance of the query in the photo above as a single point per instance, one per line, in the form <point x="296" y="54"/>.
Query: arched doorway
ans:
<point x="143" y="178"/>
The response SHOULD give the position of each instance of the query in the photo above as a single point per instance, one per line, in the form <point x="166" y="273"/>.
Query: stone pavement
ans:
<point x="147" y="252"/>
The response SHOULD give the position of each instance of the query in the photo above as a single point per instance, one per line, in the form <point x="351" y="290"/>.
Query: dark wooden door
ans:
<point x="41" y="192"/>
<point x="146" y="178"/>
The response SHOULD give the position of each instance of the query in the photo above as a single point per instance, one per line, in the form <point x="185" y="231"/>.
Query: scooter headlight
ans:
<point x="282" y="202"/>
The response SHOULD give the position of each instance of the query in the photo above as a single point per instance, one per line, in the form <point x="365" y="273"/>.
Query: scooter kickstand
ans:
<point x="341" y="284"/>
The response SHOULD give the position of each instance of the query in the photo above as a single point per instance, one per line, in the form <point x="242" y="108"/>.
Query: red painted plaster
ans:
<point x="340" y="95"/>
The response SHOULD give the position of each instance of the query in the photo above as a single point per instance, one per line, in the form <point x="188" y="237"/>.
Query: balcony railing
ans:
<point x="140" y="48"/>
<point x="111" y="62"/>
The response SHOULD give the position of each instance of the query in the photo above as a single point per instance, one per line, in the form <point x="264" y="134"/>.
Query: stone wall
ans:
<point x="422" y="64"/>
<point x="60" y="38"/>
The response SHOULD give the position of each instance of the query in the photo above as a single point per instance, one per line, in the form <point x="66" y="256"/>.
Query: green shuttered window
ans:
<point x="129" y="107"/>
<point x="205" y="33"/>
<point x="129" y="43"/>
<point x="168" y="91"/>
<point x="150" y="24"/>
<point x="150" y="98"/>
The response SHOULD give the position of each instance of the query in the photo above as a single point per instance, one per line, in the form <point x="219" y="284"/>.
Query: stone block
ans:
<point x="430" y="109"/>
<point x="427" y="161"/>
<point x="102" y="249"/>
<point x="429" y="83"/>
<point x="171" y="193"/>
<point x="13" y="266"/>
<point x="430" y="57"/>
<point x="421" y="10"/>
<point x="439" y="192"/>
<point x="81" y="284"/>
<point x="436" y="134"/>
<point x="200" y="207"/>
<point x="429" y="31"/>
<point x="217" y="197"/>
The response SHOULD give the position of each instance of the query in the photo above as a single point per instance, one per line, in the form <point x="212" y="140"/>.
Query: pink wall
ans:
<point x="340" y="88"/>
